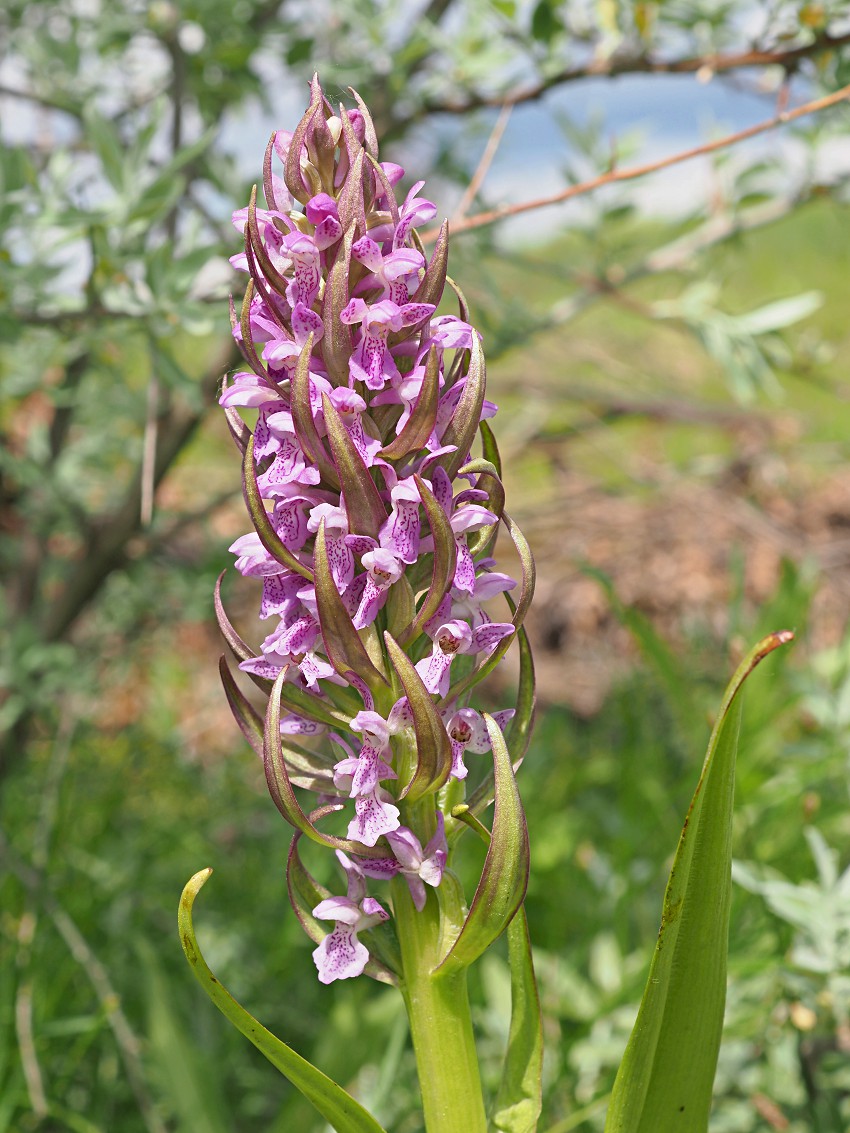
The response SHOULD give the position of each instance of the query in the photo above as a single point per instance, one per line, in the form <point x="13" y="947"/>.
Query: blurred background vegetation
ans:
<point x="671" y="360"/>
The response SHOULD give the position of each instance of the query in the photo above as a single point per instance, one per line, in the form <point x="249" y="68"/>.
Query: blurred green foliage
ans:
<point x="118" y="170"/>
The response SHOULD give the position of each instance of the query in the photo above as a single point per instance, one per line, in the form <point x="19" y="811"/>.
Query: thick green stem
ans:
<point x="440" y="1022"/>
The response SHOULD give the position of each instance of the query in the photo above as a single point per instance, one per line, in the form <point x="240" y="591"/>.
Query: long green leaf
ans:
<point x="519" y="1098"/>
<point x="666" y="1076"/>
<point x="337" y="1107"/>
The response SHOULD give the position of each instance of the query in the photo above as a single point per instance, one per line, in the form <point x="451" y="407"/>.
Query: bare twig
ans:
<point x="616" y="175"/>
<point x="640" y="63"/>
<point x="471" y="191"/>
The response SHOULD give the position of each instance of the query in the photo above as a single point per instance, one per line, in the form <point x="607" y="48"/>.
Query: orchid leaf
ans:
<point x="666" y="1076"/>
<point x="281" y="789"/>
<point x="445" y="560"/>
<point x="260" y="518"/>
<point x="363" y="504"/>
<point x="519" y="1098"/>
<point x="343" y="645"/>
<point x="302" y="417"/>
<point x="433" y="747"/>
<point x="504" y="879"/>
<point x="338" y="1108"/>
<point x="464" y="422"/>
<point x="420" y="424"/>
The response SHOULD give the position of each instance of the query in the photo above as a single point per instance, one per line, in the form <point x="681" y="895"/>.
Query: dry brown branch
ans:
<point x="614" y="176"/>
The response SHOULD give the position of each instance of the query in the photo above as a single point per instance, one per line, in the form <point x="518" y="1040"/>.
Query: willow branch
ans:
<point x="642" y="64"/>
<point x="613" y="176"/>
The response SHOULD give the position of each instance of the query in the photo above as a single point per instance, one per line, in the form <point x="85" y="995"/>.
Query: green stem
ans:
<point x="440" y="1022"/>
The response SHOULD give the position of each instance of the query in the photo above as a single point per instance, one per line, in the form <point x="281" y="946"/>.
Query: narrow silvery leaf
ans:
<point x="336" y="344"/>
<point x="445" y="560"/>
<point x="343" y="645"/>
<point x="666" y="1076"/>
<point x="463" y="425"/>
<point x="302" y="417"/>
<point x="504" y="879"/>
<point x="338" y="1108"/>
<point x="433" y="747"/>
<point x="363" y="505"/>
<point x="260" y="518"/>
<point x="283" y="795"/>
<point x="519" y="1098"/>
<point x="420" y="424"/>
<point x="246" y="716"/>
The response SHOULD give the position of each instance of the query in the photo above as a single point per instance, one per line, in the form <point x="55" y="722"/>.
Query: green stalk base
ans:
<point x="440" y="1022"/>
